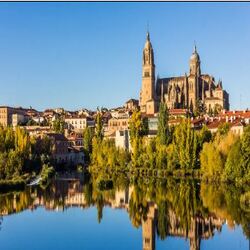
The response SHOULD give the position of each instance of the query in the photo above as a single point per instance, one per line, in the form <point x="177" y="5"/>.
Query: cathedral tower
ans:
<point x="147" y="94"/>
<point x="194" y="78"/>
<point x="195" y="64"/>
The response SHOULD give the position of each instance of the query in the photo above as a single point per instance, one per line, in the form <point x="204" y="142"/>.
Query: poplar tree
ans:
<point x="99" y="126"/>
<point x="163" y="129"/>
<point x="185" y="142"/>
<point x="87" y="142"/>
<point x="135" y="131"/>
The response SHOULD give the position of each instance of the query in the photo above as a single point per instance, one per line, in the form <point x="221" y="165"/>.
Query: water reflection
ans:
<point x="178" y="208"/>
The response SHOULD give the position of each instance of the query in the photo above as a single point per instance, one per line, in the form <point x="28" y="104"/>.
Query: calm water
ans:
<point x="138" y="214"/>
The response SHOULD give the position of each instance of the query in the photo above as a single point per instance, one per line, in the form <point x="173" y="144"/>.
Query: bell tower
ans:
<point x="148" y="75"/>
<point x="195" y="64"/>
<point x="194" y="79"/>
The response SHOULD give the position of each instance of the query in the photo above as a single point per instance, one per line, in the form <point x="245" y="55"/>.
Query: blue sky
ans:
<point x="75" y="55"/>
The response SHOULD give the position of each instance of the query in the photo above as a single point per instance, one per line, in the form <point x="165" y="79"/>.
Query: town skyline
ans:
<point x="85" y="63"/>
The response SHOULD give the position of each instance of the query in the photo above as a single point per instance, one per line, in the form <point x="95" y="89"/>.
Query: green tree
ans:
<point x="204" y="135"/>
<point x="211" y="161"/>
<point x="223" y="129"/>
<point x="200" y="108"/>
<point x="233" y="169"/>
<point x="136" y="132"/>
<point x="185" y="142"/>
<point x="87" y="141"/>
<point x="58" y="125"/>
<point x="99" y="126"/>
<point x="163" y="134"/>
<point x="135" y="125"/>
<point x="245" y="149"/>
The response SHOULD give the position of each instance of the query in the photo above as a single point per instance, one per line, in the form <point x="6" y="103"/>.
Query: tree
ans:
<point x="136" y="132"/>
<point x="223" y="129"/>
<point x="245" y="149"/>
<point x="99" y="126"/>
<point x="200" y="108"/>
<point x="233" y="169"/>
<point x="237" y="167"/>
<point x="204" y="135"/>
<point x="163" y="134"/>
<point x="211" y="161"/>
<point x="185" y="142"/>
<point x="87" y="141"/>
<point x="58" y="125"/>
<point x="135" y="125"/>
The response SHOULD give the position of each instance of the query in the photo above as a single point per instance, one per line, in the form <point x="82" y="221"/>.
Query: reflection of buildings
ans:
<point x="68" y="192"/>
<point x="148" y="229"/>
<point x="121" y="199"/>
<point x="200" y="228"/>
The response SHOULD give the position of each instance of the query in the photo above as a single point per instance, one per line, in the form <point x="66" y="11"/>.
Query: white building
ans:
<point x="79" y="123"/>
<point x="122" y="139"/>
<point x="18" y="119"/>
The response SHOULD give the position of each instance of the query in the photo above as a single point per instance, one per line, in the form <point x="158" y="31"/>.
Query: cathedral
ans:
<point x="182" y="92"/>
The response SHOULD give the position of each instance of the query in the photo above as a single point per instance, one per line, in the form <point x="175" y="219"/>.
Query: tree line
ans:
<point x="180" y="150"/>
<point x="21" y="154"/>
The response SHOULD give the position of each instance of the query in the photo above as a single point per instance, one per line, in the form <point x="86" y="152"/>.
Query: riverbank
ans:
<point x="11" y="185"/>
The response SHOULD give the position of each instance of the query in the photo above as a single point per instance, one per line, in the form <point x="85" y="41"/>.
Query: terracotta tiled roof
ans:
<point x="236" y="113"/>
<point x="216" y="123"/>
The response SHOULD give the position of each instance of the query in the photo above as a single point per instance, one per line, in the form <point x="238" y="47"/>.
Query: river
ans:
<point x="149" y="214"/>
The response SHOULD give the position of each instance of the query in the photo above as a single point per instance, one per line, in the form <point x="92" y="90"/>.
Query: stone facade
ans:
<point x="147" y="95"/>
<point x="182" y="92"/>
<point x="79" y="123"/>
<point x="6" y="114"/>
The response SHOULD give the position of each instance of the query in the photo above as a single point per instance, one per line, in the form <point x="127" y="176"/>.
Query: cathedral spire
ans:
<point x="148" y="36"/>
<point x="148" y="77"/>
<point x="195" y="48"/>
<point x="195" y="62"/>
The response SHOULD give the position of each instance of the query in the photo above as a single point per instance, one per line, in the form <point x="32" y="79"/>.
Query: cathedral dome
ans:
<point x="195" y="56"/>
<point x="148" y="43"/>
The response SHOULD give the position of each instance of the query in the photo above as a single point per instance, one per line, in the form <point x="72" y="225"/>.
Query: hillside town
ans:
<point x="68" y="144"/>
<point x="196" y="96"/>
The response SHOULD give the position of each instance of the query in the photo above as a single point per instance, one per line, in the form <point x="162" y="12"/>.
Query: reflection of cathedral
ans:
<point x="200" y="228"/>
<point x="148" y="229"/>
<point x="179" y="92"/>
<point x="65" y="193"/>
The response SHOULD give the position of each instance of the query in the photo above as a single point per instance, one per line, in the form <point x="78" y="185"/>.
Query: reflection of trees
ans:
<point x="99" y="205"/>
<point x="15" y="202"/>
<point x="162" y="219"/>
<point x="181" y="207"/>
<point x="185" y="203"/>
<point x="137" y="206"/>
<point x="224" y="201"/>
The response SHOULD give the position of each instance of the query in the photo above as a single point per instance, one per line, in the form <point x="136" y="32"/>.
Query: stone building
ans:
<point x="79" y="122"/>
<point x="182" y="92"/>
<point x="10" y="114"/>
